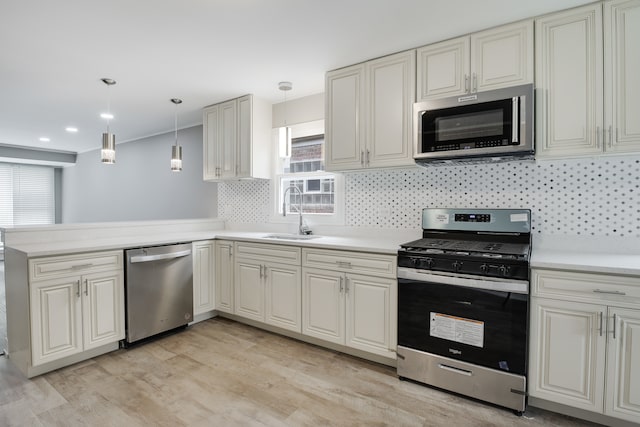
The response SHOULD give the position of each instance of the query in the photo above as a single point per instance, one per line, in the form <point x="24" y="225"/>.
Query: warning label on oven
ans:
<point x="458" y="329"/>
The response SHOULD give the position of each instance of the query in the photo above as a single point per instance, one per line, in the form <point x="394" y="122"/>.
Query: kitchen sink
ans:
<point x="291" y="236"/>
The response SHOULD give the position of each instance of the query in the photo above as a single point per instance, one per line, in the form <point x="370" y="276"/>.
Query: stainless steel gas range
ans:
<point x="463" y="304"/>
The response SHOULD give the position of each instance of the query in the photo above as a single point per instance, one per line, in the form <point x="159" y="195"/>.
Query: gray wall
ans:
<point x="140" y="185"/>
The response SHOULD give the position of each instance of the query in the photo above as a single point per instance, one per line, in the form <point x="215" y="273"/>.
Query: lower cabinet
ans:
<point x="585" y="347"/>
<point x="223" y="254"/>
<point x="203" y="276"/>
<point x="350" y="309"/>
<point x="265" y="290"/>
<point x="75" y="313"/>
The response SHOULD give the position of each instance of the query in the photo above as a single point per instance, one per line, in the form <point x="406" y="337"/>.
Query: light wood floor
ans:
<point x="223" y="373"/>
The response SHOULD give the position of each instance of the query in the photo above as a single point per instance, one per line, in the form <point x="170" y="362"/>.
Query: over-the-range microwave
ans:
<point x="495" y="125"/>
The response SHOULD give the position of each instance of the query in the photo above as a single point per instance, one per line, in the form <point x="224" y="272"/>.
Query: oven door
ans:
<point x="483" y="322"/>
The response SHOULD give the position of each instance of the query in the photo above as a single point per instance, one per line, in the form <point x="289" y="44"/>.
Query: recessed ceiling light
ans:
<point x="71" y="129"/>
<point x="44" y="139"/>
<point x="107" y="116"/>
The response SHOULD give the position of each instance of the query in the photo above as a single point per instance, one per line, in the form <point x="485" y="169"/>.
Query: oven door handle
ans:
<point x="493" y="284"/>
<point x="515" y="121"/>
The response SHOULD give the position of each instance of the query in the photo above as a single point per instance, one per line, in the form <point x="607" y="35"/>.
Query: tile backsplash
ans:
<point x="596" y="196"/>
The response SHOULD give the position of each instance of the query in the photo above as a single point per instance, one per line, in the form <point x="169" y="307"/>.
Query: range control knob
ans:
<point x="456" y="265"/>
<point x="484" y="268"/>
<point x="504" y="270"/>
<point x="428" y="262"/>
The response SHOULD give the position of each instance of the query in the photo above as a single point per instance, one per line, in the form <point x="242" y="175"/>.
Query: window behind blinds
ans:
<point x="26" y="195"/>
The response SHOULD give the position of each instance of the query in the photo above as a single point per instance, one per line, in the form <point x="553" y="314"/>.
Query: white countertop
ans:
<point x="607" y="255"/>
<point x="380" y="244"/>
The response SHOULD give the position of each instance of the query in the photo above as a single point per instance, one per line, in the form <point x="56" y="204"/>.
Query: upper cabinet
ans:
<point x="368" y="114"/>
<point x="582" y="106"/>
<point x="491" y="59"/>
<point x="237" y="139"/>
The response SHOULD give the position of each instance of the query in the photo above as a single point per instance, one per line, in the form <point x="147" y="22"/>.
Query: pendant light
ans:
<point x="176" y="150"/>
<point x="108" y="153"/>
<point x="284" y="133"/>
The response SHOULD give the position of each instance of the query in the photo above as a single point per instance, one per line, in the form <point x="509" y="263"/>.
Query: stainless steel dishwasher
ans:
<point x="159" y="289"/>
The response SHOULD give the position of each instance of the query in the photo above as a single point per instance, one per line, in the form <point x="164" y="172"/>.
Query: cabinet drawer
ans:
<point x="60" y="266"/>
<point x="268" y="252"/>
<point x="351" y="262"/>
<point x="596" y="287"/>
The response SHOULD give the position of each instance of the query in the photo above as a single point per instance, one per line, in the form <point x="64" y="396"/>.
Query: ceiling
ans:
<point x="202" y="51"/>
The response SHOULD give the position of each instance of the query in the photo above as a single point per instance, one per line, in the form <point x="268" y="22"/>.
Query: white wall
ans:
<point x="140" y="186"/>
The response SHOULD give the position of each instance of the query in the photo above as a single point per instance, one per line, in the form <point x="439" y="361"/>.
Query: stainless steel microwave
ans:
<point x="494" y="125"/>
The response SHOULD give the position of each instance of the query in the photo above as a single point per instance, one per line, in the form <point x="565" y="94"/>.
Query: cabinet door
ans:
<point x="345" y="119"/>
<point x="203" y="277"/>
<point x="390" y="97"/>
<point x="227" y="135"/>
<point x="323" y="305"/>
<point x="567" y="353"/>
<point x="224" y="276"/>
<point x="569" y="81"/>
<point x="56" y="319"/>
<point x="249" y="289"/>
<point x="371" y="314"/>
<point x="622" y="75"/>
<point x="283" y="296"/>
<point x="211" y="143"/>
<point x="502" y="57"/>
<point x="443" y="69"/>
<point x="623" y="367"/>
<point x="243" y="149"/>
<point x="103" y="309"/>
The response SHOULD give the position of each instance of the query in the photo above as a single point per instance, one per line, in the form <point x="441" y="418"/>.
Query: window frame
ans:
<point x="301" y="130"/>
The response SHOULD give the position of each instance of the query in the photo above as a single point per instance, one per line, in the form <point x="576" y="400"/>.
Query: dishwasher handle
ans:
<point x="158" y="257"/>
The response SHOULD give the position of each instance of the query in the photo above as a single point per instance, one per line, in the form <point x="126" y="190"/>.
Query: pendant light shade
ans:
<point x="176" y="150"/>
<point x="108" y="152"/>
<point x="284" y="133"/>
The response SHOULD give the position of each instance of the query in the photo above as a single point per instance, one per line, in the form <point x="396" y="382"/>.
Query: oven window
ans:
<point x="470" y="125"/>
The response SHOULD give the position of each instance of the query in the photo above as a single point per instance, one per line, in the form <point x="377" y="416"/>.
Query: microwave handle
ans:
<point x="515" y="122"/>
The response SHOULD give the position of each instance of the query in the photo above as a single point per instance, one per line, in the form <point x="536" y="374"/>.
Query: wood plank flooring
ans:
<point x="223" y="373"/>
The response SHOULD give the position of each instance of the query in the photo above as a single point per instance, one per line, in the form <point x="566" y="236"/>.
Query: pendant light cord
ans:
<point x="176" y="125"/>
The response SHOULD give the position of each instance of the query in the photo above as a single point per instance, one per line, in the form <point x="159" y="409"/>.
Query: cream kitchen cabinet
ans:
<point x="76" y="304"/>
<point x="588" y="80"/>
<point x="347" y="308"/>
<point x="224" y="266"/>
<point x="267" y="284"/>
<point x="237" y="139"/>
<point x="203" y="277"/>
<point x="369" y="114"/>
<point x="491" y="59"/>
<point x="585" y="330"/>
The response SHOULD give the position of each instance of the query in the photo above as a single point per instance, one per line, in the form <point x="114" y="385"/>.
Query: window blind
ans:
<point x="27" y="195"/>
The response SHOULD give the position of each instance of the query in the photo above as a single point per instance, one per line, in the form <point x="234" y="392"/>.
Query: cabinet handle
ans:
<point x="346" y="285"/>
<point x="86" y="287"/>
<point x="78" y="288"/>
<point x="466" y="83"/>
<point x="230" y="251"/>
<point x="614" y="325"/>
<point x="261" y="275"/>
<point x="600" y="291"/>
<point x="265" y="271"/>
<point x="474" y="85"/>
<point x="344" y="264"/>
<point x="598" y="136"/>
<point x="368" y="153"/>
<point x="341" y="285"/>
<point x="362" y="157"/>
<point x="601" y="316"/>
<point x="81" y="266"/>
<point x="610" y="137"/>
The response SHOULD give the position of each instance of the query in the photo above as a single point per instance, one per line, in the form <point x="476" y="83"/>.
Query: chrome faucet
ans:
<point x="302" y="228"/>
